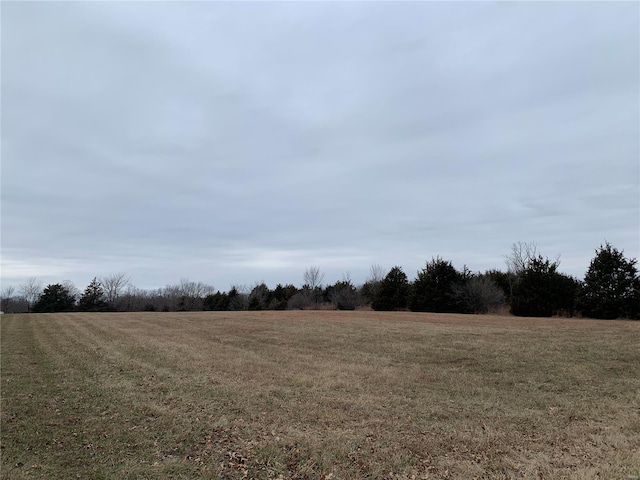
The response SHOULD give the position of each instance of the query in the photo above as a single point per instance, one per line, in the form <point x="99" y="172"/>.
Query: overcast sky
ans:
<point x="231" y="143"/>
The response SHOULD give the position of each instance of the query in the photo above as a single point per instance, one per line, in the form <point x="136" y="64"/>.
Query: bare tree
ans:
<point x="371" y="287"/>
<point x="313" y="279"/>
<point x="376" y="273"/>
<point x="170" y="296"/>
<point x="520" y="257"/>
<point x="114" y="286"/>
<point x="31" y="290"/>
<point x="192" y="294"/>
<point x="522" y="253"/>
<point x="72" y="289"/>
<point x="6" y="298"/>
<point x="196" y="289"/>
<point x="134" y="299"/>
<point x="479" y="294"/>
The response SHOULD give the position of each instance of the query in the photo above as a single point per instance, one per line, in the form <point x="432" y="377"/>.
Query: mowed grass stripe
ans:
<point x="311" y="394"/>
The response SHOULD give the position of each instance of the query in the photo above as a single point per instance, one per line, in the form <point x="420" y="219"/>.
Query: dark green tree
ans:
<point x="532" y="295"/>
<point x="541" y="291"/>
<point x="260" y="297"/>
<point x="93" y="299"/>
<point x="566" y="290"/>
<point x="611" y="287"/>
<point x="216" y="301"/>
<point x="434" y="288"/>
<point x="55" y="298"/>
<point x="237" y="300"/>
<point x="393" y="292"/>
<point x="282" y="295"/>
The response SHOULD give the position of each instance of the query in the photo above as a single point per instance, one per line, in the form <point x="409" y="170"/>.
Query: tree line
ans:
<point x="532" y="285"/>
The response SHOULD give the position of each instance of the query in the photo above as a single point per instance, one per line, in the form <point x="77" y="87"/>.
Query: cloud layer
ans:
<point x="233" y="143"/>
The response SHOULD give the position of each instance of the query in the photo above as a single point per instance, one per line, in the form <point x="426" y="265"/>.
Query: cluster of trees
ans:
<point x="101" y="296"/>
<point x="531" y="286"/>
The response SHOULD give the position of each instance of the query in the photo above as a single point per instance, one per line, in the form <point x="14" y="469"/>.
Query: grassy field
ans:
<point x="318" y="395"/>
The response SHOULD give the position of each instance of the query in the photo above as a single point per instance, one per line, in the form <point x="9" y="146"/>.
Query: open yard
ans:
<point x="342" y="395"/>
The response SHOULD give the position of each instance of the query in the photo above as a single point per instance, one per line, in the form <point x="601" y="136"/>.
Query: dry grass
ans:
<point x="318" y="395"/>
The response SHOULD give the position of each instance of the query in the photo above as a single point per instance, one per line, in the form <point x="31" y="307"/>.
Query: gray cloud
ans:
<point x="232" y="143"/>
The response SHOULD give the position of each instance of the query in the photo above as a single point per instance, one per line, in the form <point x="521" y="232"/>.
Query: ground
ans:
<point x="342" y="395"/>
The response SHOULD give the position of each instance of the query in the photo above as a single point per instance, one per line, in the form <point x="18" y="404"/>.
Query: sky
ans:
<point x="234" y="143"/>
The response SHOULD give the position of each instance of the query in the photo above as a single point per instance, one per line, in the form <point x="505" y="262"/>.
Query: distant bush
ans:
<point x="479" y="294"/>
<point x="304" y="299"/>
<point x="342" y="295"/>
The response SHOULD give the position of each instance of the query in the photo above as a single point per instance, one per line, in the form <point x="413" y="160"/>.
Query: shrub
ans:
<point x="478" y="295"/>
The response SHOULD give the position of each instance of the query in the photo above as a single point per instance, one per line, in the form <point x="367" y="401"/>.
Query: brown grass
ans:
<point x="318" y="395"/>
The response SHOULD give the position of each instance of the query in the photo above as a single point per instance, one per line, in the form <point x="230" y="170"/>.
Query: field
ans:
<point x="342" y="395"/>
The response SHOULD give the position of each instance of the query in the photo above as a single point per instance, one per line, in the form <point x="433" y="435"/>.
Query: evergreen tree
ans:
<point x="566" y="289"/>
<point x="433" y="289"/>
<point x="393" y="292"/>
<point x="237" y="300"/>
<point x="216" y="301"/>
<point x="611" y="286"/>
<point x="93" y="299"/>
<point x="55" y="298"/>
<point x="542" y="291"/>
<point x="260" y="297"/>
<point x="282" y="295"/>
